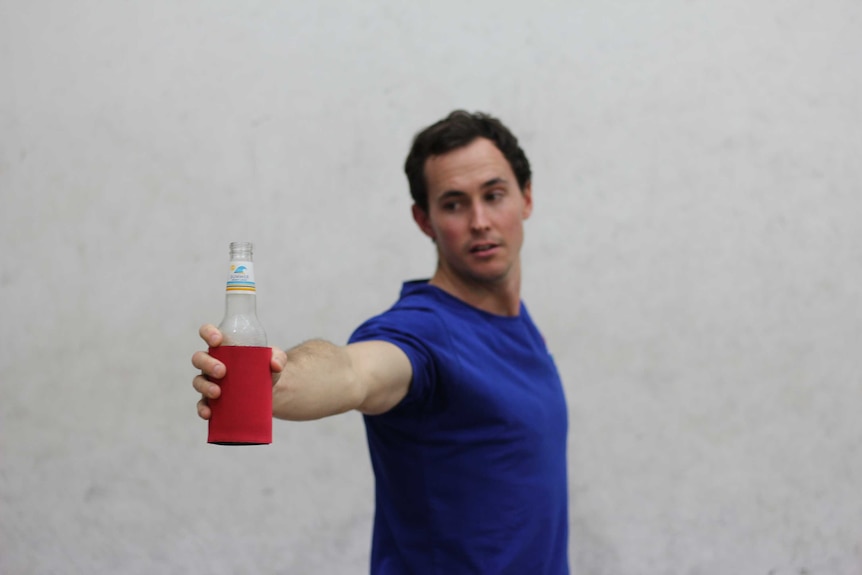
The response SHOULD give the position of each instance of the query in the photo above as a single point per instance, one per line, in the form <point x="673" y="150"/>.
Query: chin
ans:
<point x="489" y="276"/>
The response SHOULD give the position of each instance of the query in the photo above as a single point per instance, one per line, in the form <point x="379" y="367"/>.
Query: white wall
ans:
<point x="693" y="260"/>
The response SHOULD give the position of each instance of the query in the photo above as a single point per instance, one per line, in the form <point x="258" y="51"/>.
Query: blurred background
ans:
<point x="693" y="260"/>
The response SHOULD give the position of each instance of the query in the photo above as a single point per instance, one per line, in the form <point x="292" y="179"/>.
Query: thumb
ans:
<point x="278" y="361"/>
<point x="211" y="335"/>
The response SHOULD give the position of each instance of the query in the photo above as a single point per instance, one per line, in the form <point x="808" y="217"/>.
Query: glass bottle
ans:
<point x="240" y="325"/>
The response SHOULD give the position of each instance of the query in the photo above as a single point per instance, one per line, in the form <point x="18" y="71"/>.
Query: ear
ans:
<point x="528" y="200"/>
<point x="422" y="220"/>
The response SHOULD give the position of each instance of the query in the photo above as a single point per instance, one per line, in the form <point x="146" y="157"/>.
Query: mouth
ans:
<point x="483" y="248"/>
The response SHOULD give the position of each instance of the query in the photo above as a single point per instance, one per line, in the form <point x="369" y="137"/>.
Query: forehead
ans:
<point x="467" y="167"/>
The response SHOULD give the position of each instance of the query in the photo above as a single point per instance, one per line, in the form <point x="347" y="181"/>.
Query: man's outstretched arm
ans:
<point x="318" y="378"/>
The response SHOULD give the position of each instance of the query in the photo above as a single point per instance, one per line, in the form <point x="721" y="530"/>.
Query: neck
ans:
<point x="500" y="297"/>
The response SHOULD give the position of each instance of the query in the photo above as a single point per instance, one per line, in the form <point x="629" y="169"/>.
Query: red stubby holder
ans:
<point x="242" y="414"/>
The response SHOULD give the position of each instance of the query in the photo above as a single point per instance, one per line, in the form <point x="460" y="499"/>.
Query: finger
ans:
<point x="205" y="387"/>
<point x="278" y="361"/>
<point x="208" y="365"/>
<point x="204" y="411"/>
<point x="210" y="334"/>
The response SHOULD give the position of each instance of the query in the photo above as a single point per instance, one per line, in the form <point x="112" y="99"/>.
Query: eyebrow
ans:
<point x="455" y="193"/>
<point x="493" y="182"/>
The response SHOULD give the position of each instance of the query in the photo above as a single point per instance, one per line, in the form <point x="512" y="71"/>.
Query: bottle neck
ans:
<point x="240" y="279"/>
<point x="240" y="304"/>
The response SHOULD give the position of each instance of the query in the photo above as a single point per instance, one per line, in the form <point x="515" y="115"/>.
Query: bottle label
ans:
<point x="241" y="278"/>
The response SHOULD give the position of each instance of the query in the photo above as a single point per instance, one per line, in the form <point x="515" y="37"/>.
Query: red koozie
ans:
<point x="242" y="414"/>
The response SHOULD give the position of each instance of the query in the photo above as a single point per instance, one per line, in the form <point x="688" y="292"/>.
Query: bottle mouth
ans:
<point x="241" y="251"/>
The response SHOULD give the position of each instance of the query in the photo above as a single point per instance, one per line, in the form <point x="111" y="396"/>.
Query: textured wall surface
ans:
<point x="693" y="261"/>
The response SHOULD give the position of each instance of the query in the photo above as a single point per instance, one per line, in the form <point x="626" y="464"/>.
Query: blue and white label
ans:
<point x="241" y="278"/>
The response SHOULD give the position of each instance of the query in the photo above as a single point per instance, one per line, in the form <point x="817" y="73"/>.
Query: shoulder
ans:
<point x="416" y="324"/>
<point x="417" y="313"/>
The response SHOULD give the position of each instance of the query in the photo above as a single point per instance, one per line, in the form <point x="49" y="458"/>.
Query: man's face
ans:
<point x="475" y="213"/>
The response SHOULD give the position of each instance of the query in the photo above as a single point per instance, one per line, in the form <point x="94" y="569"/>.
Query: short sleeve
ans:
<point x="416" y="332"/>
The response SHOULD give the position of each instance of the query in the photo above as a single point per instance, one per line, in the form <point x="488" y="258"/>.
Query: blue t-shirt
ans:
<point x="470" y="467"/>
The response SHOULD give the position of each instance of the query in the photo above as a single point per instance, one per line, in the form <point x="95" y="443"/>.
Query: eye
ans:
<point x="494" y="195"/>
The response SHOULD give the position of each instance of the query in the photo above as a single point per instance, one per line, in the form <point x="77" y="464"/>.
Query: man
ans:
<point x="464" y="409"/>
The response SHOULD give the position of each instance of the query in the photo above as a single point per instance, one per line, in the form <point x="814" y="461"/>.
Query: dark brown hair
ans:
<point x="457" y="130"/>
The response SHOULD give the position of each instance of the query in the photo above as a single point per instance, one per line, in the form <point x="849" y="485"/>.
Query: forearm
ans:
<point x="318" y="380"/>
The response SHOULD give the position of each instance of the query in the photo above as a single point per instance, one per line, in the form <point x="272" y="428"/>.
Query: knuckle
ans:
<point x="200" y="383"/>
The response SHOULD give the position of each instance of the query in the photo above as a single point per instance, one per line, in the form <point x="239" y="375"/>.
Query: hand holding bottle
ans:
<point x="213" y="370"/>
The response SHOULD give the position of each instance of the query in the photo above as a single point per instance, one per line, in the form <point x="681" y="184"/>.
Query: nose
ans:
<point x="479" y="219"/>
